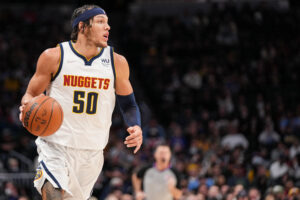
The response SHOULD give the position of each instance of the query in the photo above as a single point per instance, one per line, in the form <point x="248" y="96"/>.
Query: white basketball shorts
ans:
<point x="73" y="170"/>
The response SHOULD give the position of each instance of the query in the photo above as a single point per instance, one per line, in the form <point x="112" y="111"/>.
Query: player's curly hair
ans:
<point x="76" y="13"/>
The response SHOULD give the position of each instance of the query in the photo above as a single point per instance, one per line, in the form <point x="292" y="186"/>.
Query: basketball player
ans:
<point x="158" y="181"/>
<point x="85" y="76"/>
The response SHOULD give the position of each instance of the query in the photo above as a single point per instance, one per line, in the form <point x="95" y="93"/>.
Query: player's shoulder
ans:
<point x="119" y="59"/>
<point x="51" y="54"/>
<point x="121" y="66"/>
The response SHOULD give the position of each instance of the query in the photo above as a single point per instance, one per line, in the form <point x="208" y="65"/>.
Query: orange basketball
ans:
<point x="42" y="116"/>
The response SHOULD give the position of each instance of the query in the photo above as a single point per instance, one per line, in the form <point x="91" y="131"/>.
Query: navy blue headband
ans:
<point x="88" y="14"/>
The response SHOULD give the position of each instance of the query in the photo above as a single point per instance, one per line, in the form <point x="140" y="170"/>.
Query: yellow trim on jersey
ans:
<point x="83" y="55"/>
<point x="59" y="63"/>
<point x="114" y="66"/>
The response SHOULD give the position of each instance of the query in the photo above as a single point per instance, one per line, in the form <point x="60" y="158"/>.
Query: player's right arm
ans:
<point x="46" y="68"/>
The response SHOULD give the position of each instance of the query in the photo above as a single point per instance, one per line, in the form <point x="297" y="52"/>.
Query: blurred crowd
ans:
<point x="219" y="86"/>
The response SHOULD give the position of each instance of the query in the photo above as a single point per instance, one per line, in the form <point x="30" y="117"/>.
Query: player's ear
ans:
<point x="81" y="26"/>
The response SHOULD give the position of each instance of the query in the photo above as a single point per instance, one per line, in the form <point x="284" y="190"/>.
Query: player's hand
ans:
<point x="22" y="107"/>
<point x="135" y="138"/>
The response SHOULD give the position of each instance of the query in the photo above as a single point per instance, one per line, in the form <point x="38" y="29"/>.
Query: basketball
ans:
<point x="42" y="116"/>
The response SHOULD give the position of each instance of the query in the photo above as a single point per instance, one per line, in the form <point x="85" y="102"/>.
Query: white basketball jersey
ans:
<point x="85" y="90"/>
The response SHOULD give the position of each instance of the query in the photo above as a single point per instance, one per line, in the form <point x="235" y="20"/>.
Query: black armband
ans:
<point x="129" y="109"/>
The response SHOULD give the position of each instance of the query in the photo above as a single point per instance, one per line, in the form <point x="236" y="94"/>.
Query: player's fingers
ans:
<point x="21" y="108"/>
<point x="131" y="145"/>
<point x="130" y="130"/>
<point x="133" y="129"/>
<point x="137" y="148"/>
<point x="132" y="136"/>
<point x="133" y="141"/>
<point x="20" y="116"/>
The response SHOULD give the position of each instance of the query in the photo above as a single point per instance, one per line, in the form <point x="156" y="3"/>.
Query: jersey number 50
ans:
<point x="90" y="100"/>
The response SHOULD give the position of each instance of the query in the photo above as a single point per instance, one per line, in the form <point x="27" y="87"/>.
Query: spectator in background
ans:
<point x="268" y="136"/>
<point x="194" y="197"/>
<point x="23" y="198"/>
<point x="193" y="79"/>
<point x="126" y="197"/>
<point x="260" y="178"/>
<point x="177" y="138"/>
<point x="279" y="168"/>
<point x="214" y="193"/>
<point x="153" y="133"/>
<point x="238" y="176"/>
<point x="270" y="197"/>
<point x="111" y="197"/>
<point x="11" y="191"/>
<point x="295" y="148"/>
<point x="242" y="195"/>
<point x="295" y="169"/>
<point x="158" y="182"/>
<point x="278" y="192"/>
<point x="233" y="138"/>
<point x="254" y="194"/>
<point x="294" y="193"/>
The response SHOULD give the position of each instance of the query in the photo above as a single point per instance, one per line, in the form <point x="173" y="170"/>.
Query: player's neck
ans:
<point x="86" y="48"/>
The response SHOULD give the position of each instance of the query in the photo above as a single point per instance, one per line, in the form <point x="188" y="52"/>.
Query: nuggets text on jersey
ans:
<point x="87" y="82"/>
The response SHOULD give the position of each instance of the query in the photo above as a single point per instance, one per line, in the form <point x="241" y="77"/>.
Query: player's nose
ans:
<point x="107" y="27"/>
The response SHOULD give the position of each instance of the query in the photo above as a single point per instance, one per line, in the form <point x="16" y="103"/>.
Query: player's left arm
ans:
<point x="127" y="103"/>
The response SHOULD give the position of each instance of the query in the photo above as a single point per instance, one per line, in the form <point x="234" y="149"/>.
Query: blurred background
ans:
<point x="217" y="80"/>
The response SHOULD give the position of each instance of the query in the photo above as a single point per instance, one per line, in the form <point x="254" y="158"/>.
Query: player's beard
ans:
<point x="96" y="41"/>
<point x="101" y="44"/>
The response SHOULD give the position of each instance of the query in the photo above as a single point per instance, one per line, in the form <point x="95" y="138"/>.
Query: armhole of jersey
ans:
<point x="113" y="63"/>
<point x="61" y="59"/>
